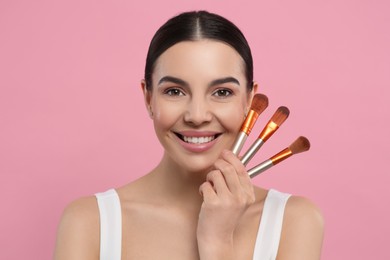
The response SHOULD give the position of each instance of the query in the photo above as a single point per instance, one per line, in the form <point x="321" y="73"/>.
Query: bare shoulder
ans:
<point x="78" y="231"/>
<point x="300" y="209"/>
<point x="303" y="228"/>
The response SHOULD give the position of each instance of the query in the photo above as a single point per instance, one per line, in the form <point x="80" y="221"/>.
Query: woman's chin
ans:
<point x="200" y="170"/>
<point x="198" y="167"/>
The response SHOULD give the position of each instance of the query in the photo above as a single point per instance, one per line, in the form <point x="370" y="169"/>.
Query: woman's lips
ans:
<point x="195" y="141"/>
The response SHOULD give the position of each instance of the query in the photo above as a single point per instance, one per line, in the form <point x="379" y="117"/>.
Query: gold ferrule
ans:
<point x="268" y="131"/>
<point x="277" y="158"/>
<point x="249" y="122"/>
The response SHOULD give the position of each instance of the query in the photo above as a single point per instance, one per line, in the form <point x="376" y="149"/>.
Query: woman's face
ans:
<point x="198" y="101"/>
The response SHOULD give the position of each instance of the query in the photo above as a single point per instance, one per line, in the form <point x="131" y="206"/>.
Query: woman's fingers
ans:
<point x="218" y="182"/>
<point x="233" y="160"/>
<point x="228" y="181"/>
<point x="207" y="191"/>
<point x="241" y="172"/>
<point x="233" y="170"/>
<point x="229" y="174"/>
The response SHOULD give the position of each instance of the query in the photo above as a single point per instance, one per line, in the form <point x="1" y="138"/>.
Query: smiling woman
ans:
<point x="199" y="94"/>
<point x="198" y="87"/>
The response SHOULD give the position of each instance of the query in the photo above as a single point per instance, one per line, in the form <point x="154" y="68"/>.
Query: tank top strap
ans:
<point x="110" y="225"/>
<point x="270" y="228"/>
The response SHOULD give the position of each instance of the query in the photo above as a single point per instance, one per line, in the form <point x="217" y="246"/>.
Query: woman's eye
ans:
<point x="174" y="92"/>
<point x="223" y="93"/>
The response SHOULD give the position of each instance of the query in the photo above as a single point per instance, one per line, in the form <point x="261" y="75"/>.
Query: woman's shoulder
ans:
<point x="84" y="209"/>
<point x="78" y="231"/>
<point x="297" y="207"/>
<point x="303" y="228"/>
<point x="301" y="209"/>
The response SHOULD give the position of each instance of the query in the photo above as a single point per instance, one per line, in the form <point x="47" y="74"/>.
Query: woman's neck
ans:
<point x="176" y="183"/>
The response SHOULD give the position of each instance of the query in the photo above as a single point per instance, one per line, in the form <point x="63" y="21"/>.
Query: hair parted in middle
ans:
<point x="194" y="26"/>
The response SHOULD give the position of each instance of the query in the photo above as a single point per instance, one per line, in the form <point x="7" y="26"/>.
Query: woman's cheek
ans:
<point x="231" y="117"/>
<point x="165" y="115"/>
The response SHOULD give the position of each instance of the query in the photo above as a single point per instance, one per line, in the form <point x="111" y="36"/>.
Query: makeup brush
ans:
<point x="273" y="124"/>
<point x="259" y="104"/>
<point x="300" y="145"/>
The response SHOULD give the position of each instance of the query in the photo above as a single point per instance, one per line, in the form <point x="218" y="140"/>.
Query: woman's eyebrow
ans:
<point x="212" y="83"/>
<point x="224" y="80"/>
<point x="173" y="80"/>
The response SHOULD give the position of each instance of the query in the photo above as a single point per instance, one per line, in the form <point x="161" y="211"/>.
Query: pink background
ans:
<point x="72" y="118"/>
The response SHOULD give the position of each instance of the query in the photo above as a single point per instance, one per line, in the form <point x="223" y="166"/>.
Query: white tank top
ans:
<point x="268" y="234"/>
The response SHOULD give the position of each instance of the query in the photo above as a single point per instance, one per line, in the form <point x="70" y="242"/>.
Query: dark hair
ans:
<point x="197" y="25"/>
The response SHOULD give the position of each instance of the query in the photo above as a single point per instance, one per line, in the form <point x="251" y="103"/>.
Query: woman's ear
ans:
<point x="252" y="93"/>
<point x="147" y="97"/>
<point x="254" y="88"/>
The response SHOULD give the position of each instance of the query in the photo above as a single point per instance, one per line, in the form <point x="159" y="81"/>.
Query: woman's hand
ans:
<point x="227" y="193"/>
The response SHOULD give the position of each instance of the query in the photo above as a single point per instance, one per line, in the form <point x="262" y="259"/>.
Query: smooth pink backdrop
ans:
<point x="72" y="118"/>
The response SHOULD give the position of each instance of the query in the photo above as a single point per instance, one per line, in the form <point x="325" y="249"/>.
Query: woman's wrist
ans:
<point x="216" y="249"/>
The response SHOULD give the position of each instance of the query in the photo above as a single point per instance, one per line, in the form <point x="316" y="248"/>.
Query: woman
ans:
<point x="198" y="203"/>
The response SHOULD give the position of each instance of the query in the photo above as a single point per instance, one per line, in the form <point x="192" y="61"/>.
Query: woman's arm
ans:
<point x="78" y="232"/>
<point x="302" y="233"/>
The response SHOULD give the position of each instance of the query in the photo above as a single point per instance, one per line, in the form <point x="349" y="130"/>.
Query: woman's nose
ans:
<point x="198" y="112"/>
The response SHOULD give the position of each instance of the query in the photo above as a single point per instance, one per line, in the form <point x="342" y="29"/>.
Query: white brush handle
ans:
<point x="252" y="151"/>
<point x="241" y="138"/>
<point x="260" y="168"/>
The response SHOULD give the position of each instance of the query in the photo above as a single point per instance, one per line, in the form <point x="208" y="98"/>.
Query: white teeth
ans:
<point x="198" y="140"/>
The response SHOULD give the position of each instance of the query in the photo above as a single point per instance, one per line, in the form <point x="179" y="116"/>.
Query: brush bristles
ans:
<point x="280" y="115"/>
<point x="300" y="145"/>
<point x="259" y="103"/>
